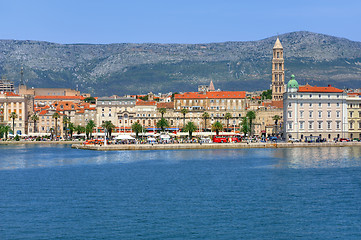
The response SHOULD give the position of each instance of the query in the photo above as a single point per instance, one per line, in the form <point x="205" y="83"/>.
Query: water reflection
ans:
<point x="35" y="156"/>
<point x="323" y="157"/>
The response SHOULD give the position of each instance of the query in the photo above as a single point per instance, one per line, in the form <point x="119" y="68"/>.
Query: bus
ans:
<point x="226" y="138"/>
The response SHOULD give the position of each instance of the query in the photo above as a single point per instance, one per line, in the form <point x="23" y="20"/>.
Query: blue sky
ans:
<point x="173" y="21"/>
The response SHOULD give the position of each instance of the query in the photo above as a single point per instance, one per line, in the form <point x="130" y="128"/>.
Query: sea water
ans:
<point x="55" y="192"/>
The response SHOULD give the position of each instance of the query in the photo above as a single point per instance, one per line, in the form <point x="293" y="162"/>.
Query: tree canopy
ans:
<point x="190" y="128"/>
<point x="217" y="127"/>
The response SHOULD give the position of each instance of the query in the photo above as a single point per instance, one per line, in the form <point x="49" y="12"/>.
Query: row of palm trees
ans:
<point x="246" y="124"/>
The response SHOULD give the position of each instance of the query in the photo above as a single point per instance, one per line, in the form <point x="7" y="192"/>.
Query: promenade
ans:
<point x="121" y="147"/>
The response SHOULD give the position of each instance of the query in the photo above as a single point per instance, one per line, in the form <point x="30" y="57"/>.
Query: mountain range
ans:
<point x="130" y="68"/>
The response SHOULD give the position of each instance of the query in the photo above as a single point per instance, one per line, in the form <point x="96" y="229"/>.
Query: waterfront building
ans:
<point x="46" y="123"/>
<point x="24" y="90"/>
<point x="6" y="85"/>
<point x="119" y="110"/>
<point x="215" y="103"/>
<point x="41" y="101"/>
<point x="21" y="105"/>
<point x="278" y="72"/>
<point x="314" y="111"/>
<point x="354" y="115"/>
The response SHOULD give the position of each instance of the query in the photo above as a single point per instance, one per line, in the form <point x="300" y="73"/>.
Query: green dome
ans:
<point x="292" y="83"/>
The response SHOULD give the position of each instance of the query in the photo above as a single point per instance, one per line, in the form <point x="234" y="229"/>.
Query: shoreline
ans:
<point x="35" y="142"/>
<point x="189" y="146"/>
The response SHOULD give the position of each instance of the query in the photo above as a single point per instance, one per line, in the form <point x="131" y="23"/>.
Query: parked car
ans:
<point x="273" y="139"/>
<point x="293" y="140"/>
<point x="343" y="139"/>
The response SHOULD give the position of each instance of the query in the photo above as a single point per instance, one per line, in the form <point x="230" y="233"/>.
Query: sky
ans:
<point x="174" y="21"/>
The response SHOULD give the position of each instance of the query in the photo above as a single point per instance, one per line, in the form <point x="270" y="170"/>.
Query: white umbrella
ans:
<point x="164" y="136"/>
<point x="124" y="137"/>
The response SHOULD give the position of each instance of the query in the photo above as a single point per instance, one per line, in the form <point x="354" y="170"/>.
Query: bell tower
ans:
<point x="278" y="72"/>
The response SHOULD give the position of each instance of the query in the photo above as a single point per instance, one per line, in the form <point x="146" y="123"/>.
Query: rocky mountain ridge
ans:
<point x="105" y="69"/>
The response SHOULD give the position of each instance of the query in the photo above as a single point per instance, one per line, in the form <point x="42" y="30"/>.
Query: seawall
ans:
<point x="123" y="147"/>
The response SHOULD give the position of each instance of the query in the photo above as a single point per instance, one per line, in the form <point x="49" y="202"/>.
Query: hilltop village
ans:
<point x="287" y="111"/>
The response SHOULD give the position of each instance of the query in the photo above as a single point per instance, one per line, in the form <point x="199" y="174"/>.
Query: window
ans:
<point x="329" y="96"/>
<point x="328" y="125"/>
<point x="351" y="114"/>
<point x="328" y="104"/>
<point x="338" y="104"/>
<point x="310" y="125"/>
<point x="337" y="114"/>
<point x="310" y="104"/>
<point x="319" y="95"/>
<point x="211" y="101"/>
<point x="301" y="104"/>
<point x="301" y="125"/>
<point x="351" y="125"/>
<point x="289" y="114"/>
<point x="319" y="125"/>
<point x="310" y="95"/>
<point x="338" y="125"/>
<point x="301" y="114"/>
<point x="320" y="114"/>
<point x="289" y="104"/>
<point x="320" y="104"/>
<point x="328" y="114"/>
<point x="311" y="114"/>
<point x="290" y="125"/>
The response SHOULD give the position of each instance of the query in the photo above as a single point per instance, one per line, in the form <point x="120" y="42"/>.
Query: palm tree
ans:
<point x="34" y="118"/>
<point x="71" y="129"/>
<point x="217" y="126"/>
<point x="162" y="111"/>
<point x="79" y="129"/>
<point x="56" y="116"/>
<point x="205" y="116"/>
<point x="184" y="111"/>
<point x="109" y="126"/>
<point x="227" y="117"/>
<point x="137" y="128"/>
<point x="162" y="123"/>
<point x="190" y="128"/>
<point x="251" y="115"/>
<point x="89" y="128"/>
<point x="244" y="126"/>
<point x="13" y="115"/>
<point x="6" y="129"/>
<point x="52" y="133"/>
<point x="276" y="118"/>
<point x="66" y="121"/>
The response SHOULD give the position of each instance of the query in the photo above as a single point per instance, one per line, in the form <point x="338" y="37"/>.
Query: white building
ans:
<point x="314" y="111"/>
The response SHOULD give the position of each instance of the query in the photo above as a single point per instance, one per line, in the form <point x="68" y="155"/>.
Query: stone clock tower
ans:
<point x="278" y="72"/>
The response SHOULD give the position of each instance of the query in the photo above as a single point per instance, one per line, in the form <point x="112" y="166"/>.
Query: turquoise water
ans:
<point x="55" y="192"/>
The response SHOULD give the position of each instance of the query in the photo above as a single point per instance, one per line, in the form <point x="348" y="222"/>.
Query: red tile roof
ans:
<point x="165" y="105"/>
<point x="11" y="94"/>
<point x="354" y="94"/>
<point x="315" y="89"/>
<point x="43" y="112"/>
<point x="60" y="97"/>
<point x="145" y="103"/>
<point x="274" y="104"/>
<point x="212" y="95"/>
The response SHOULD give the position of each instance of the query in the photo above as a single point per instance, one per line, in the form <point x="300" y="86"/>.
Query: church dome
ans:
<point x="292" y="83"/>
